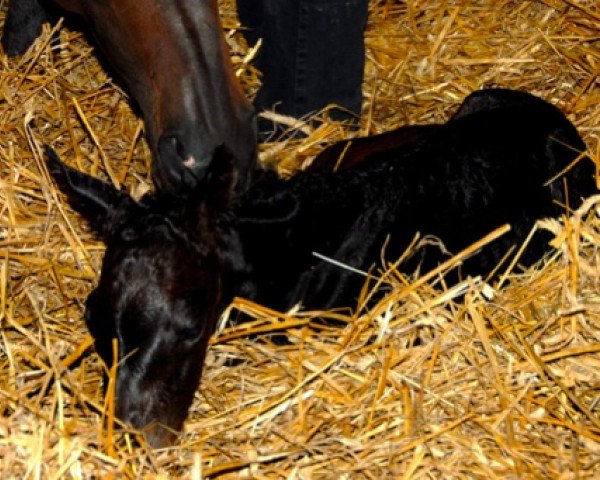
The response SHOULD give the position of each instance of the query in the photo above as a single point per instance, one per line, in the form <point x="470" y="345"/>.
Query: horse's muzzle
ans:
<point x="177" y="168"/>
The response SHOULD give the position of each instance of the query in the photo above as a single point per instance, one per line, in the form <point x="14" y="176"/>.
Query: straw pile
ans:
<point x="501" y="384"/>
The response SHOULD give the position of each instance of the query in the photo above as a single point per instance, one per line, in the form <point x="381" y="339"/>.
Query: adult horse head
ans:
<point x="173" y="60"/>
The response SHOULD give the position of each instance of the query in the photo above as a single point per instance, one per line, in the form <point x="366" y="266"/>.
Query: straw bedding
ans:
<point x="499" y="383"/>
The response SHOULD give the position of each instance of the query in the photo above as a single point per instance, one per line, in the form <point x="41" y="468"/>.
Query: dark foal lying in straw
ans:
<point x="172" y="264"/>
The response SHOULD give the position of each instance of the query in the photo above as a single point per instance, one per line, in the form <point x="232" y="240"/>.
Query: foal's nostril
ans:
<point x="134" y="418"/>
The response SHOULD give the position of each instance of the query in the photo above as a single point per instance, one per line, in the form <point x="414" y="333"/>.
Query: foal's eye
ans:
<point x="91" y="307"/>
<point x="191" y="333"/>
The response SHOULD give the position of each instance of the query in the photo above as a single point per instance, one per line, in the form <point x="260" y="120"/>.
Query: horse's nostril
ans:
<point x="172" y="149"/>
<point x="170" y="146"/>
<point x="179" y="147"/>
<point x="181" y="162"/>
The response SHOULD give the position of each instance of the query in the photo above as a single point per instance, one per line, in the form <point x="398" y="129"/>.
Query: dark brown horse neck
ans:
<point x="173" y="58"/>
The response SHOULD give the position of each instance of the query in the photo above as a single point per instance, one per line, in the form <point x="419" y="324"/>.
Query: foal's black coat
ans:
<point x="172" y="263"/>
<point x="458" y="181"/>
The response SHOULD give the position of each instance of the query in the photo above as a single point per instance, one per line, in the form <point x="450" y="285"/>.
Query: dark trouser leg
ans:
<point x="313" y="53"/>
<point x="22" y="25"/>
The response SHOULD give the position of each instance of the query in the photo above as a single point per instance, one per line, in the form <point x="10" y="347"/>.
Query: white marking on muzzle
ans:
<point x="190" y="161"/>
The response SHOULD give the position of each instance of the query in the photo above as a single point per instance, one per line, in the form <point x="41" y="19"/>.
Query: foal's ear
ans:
<point x="218" y="188"/>
<point x="101" y="204"/>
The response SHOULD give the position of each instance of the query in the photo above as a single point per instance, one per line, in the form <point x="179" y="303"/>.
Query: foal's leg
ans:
<point x="326" y="285"/>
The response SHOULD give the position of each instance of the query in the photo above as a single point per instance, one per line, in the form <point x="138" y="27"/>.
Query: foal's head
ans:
<point x="159" y="290"/>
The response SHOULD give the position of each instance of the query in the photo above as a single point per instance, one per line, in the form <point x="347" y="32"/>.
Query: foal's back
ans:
<point x="487" y="166"/>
